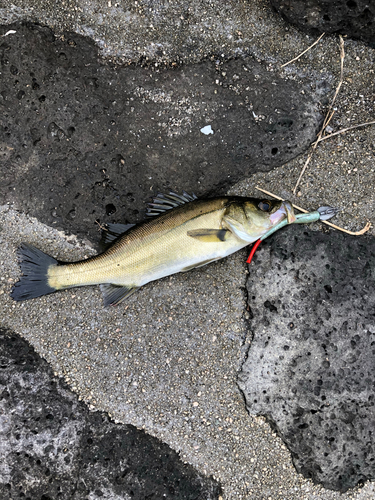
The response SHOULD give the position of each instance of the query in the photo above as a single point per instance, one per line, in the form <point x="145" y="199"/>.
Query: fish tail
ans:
<point x="34" y="266"/>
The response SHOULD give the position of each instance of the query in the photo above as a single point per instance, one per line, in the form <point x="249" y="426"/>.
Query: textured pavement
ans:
<point x="167" y="360"/>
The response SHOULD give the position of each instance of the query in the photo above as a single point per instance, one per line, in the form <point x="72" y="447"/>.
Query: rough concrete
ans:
<point x="96" y="140"/>
<point x="54" y="447"/>
<point x="310" y="366"/>
<point x="162" y="32"/>
<point x="354" y="18"/>
<point x="165" y="362"/>
<point x="241" y="450"/>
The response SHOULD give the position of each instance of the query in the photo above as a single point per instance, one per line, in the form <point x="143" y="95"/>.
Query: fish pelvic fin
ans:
<point x="209" y="235"/>
<point x="114" y="294"/>
<point x="34" y="280"/>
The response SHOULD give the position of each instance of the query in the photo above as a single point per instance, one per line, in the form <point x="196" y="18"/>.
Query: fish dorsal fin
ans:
<point x="114" y="231"/>
<point x="114" y="294"/>
<point x="164" y="202"/>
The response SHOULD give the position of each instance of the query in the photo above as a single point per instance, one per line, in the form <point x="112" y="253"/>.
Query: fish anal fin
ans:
<point x="114" y="294"/>
<point x="209" y="235"/>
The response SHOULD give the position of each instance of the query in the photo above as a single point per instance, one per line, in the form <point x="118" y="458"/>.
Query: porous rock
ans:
<point x="354" y="18"/>
<point x="53" y="447"/>
<point x="310" y="367"/>
<point x="85" y="141"/>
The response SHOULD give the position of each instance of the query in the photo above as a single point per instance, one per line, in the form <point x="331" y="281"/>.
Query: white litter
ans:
<point x="207" y="130"/>
<point x="10" y="32"/>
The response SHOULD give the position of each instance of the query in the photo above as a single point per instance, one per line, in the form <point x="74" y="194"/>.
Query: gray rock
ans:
<point x="354" y="18"/>
<point x="310" y="367"/>
<point x="53" y="447"/>
<point x="96" y="140"/>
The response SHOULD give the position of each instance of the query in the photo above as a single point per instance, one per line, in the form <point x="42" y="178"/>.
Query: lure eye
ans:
<point x="265" y="205"/>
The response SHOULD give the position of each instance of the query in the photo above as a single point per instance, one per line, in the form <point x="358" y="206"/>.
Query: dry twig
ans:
<point x="353" y="233"/>
<point x="328" y="115"/>
<point x="344" y="130"/>
<point x="304" y="52"/>
<point x="100" y="227"/>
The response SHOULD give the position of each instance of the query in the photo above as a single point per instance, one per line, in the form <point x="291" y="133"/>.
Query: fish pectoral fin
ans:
<point x="209" y="235"/>
<point x="114" y="294"/>
<point x="114" y="231"/>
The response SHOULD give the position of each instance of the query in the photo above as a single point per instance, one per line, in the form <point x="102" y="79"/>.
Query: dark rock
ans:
<point x="87" y="140"/>
<point x="355" y="18"/>
<point x="53" y="447"/>
<point x="310" y="367"/>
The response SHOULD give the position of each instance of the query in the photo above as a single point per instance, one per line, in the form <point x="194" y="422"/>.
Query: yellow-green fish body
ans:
<point x="192" y="234"/>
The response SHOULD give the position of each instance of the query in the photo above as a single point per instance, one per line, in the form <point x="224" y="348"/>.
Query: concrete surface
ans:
<point x="354" y="18"/>
<point x="52" y="446"/>
<point x="98" y="140"/>
<point x="169" y="369"/>
<point x="310" y="366"/>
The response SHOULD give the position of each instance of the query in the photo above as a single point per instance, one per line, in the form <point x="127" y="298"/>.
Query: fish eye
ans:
<point x="265" y="205"/>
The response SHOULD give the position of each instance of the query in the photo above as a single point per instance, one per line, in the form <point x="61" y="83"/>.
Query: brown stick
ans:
<point x="304" y="52"/>
<point x="101" y="228"/>
<point x="328" y="115"/>
<point x="354" y="233"/>
<point x="344" y="130"/>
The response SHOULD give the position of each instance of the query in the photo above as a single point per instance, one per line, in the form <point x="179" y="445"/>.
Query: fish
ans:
<point x="180" y="233"/>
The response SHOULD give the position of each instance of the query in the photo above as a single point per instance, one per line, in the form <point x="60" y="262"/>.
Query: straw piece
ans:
<point x="100" y="227"/>
<point x="304" y="52"/>
<point x="344" y="130"/>
<point x="328" y="115"/>
<point x="353" y="233"/>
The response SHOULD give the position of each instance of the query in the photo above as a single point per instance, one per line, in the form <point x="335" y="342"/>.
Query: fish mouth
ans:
<point x="286" y="209"/>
